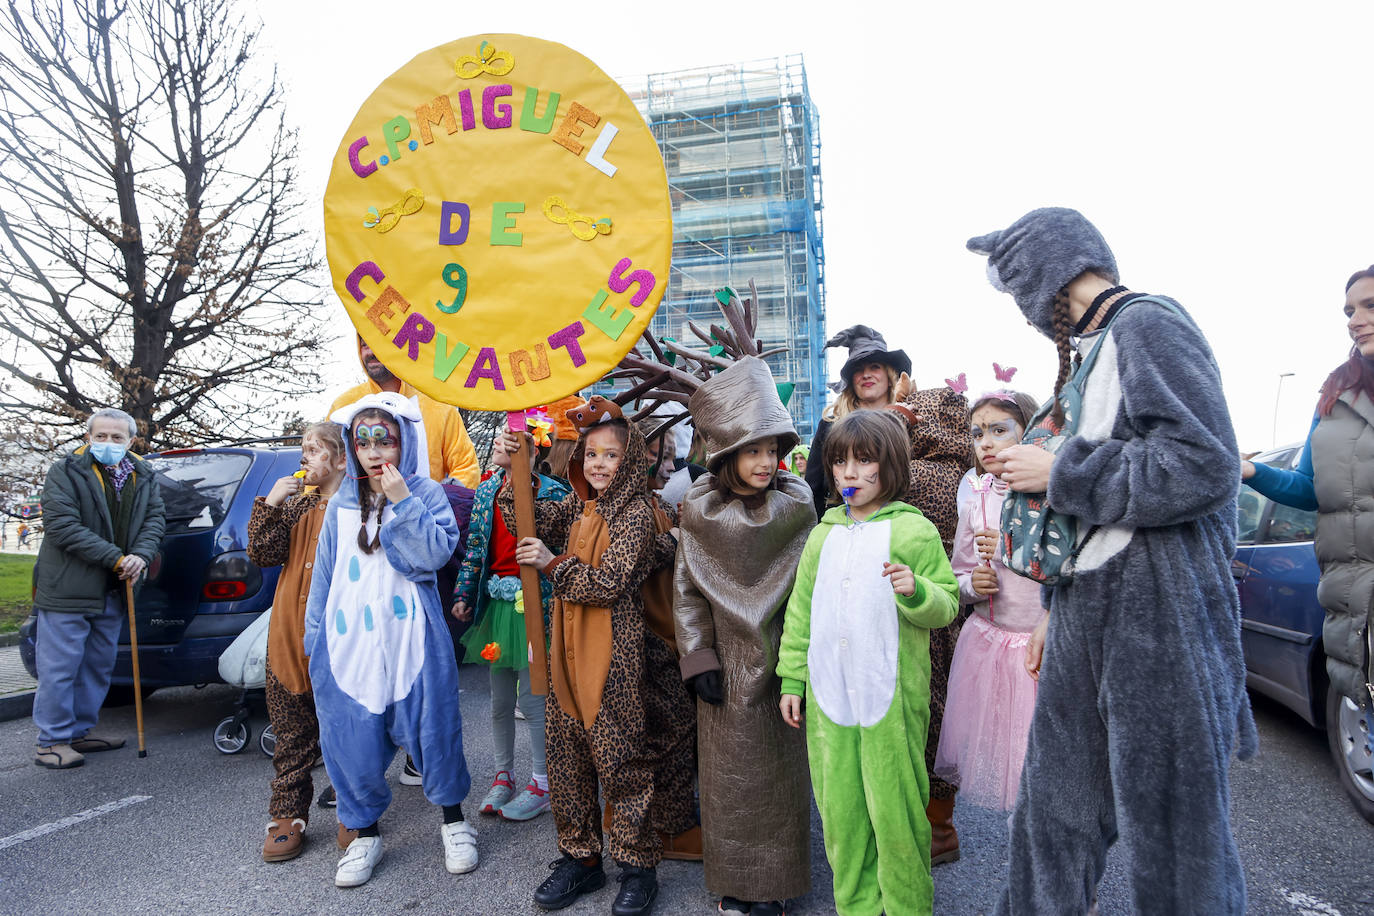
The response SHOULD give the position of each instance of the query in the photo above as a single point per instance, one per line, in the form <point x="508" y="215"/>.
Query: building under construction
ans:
<point x="743" y="151"/>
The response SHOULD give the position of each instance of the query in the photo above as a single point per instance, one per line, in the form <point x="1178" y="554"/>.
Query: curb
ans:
<point x="17" y="706"/>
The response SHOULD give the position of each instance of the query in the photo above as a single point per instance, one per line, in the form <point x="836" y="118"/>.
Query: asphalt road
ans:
<point x="180" y="832"/>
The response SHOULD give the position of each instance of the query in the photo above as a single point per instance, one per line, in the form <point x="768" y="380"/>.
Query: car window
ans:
<point x="198" y="488"/>
<point x="1249" y="512"/>
<point x="1288" y="524"/>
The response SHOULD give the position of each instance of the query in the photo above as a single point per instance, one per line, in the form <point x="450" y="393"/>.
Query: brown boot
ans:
<point x="285" y="836"/>
<point x="345" y="837"/>
<point x="944" y="839"/>
<point x="686" y="846"/>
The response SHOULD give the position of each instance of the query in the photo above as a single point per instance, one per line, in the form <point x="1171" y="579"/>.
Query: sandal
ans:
<point x="58" y="757"/>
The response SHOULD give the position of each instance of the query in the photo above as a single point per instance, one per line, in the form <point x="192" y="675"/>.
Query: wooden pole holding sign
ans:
<point x="520" y="481"/>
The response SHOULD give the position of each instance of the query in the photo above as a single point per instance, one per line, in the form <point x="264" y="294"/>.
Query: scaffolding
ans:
<point x="742" y="147"/>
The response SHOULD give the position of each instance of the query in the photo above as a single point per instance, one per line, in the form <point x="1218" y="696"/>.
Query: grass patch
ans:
<point x="16" y="590"/>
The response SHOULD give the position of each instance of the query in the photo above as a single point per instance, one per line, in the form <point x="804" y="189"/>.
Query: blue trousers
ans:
<point x="75" y="656"/>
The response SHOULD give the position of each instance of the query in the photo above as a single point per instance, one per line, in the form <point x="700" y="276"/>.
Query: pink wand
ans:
<point x="981" y="486"/>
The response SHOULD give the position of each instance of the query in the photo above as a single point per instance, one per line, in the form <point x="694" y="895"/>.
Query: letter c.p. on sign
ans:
<point x="497" y="222"/>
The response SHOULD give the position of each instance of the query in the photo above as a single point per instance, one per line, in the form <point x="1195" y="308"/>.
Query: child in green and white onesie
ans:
<point x="872" y="583"/>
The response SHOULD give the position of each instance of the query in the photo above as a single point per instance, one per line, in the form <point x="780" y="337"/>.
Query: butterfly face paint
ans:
<point x="993" y="429"/>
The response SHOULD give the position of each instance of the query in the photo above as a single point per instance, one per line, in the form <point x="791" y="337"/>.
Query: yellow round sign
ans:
<point x="497" y="222"/>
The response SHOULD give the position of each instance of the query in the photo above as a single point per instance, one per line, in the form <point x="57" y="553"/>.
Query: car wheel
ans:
<point x="231" y="735"/>
<point x="1347" y="733"/>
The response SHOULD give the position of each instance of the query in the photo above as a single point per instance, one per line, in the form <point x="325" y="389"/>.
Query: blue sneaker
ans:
<point x="529" y="804"/>
<point x="500" y="792"/>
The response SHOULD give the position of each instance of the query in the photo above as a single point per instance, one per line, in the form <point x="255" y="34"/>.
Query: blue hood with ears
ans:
<point x="414" y="445"/>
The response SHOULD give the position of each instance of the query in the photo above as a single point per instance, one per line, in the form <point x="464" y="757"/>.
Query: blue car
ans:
<point x="1281" y="628"/>
<point x="202" y="590"/>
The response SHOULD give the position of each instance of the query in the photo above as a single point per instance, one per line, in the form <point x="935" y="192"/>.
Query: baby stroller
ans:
<point x="244" y="664"/>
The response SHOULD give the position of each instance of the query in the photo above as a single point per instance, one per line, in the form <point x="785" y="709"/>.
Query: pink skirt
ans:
<point x="987" y="715"/>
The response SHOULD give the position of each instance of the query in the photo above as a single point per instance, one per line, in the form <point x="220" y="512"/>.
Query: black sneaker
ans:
<point x="409" y="775"/>
<point x="327" y="798"/>
<point x="769" y="908"/>
<point x="638" y="888"/>
<point x="570" y="880"/>
<point x="729" y="906"/>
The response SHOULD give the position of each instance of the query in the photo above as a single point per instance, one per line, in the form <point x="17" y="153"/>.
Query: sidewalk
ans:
<point x="16" y="687"/>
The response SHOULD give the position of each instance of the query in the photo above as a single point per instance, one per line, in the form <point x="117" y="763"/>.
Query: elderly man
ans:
<point x="104" y="520"/>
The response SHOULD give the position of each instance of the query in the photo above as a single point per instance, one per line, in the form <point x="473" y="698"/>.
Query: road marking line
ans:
<point x="1307" y="905"/>
<point x="70" y="821"/>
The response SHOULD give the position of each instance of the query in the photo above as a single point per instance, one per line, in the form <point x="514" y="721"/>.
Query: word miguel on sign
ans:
<point x="496" y="115"/>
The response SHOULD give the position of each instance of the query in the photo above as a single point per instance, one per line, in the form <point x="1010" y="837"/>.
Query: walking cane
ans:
<point x="133" y="651"/>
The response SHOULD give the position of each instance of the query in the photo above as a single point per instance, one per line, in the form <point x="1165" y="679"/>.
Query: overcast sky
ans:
<point x="1224" y="150"/>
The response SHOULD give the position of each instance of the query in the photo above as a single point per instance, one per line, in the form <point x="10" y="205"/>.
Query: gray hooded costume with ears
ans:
<point x="1141" y="701"/>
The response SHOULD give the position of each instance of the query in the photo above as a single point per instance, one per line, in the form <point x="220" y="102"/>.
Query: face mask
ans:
<point x="107" y="453"/>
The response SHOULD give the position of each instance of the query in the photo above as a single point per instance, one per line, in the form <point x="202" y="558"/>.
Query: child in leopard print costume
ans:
<point x="602" y="662"/>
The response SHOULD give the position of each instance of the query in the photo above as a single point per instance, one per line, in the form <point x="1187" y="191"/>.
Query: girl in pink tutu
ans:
<point x="991" y="697"/>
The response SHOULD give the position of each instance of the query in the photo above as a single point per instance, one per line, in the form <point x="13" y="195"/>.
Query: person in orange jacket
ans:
<point x="450" y="450"/>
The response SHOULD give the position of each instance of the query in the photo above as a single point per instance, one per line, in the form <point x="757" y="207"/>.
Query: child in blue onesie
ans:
<point x="873" y="581"/>
<point x="381" y="660"/>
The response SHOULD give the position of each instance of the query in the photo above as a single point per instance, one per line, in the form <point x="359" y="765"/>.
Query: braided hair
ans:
<point x="1063" y="331"/>
<point x="366" y="497"/>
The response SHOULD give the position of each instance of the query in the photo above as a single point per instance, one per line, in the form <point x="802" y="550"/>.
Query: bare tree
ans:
<point x="150" y="254"/>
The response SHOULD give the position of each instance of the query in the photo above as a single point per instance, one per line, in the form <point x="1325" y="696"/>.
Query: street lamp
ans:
<point x="1277" y="392"/>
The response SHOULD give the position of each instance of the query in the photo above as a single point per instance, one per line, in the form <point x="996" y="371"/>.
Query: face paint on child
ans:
<point x="318" y="464"/>
<point x="857" y="478"/>
<point x="376" y="445"/>
<point x="993" y="429"/>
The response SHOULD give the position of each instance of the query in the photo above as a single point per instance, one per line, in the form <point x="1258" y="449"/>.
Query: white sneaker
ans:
<point x="460" y="847"/>
<point x="358" y="860"/>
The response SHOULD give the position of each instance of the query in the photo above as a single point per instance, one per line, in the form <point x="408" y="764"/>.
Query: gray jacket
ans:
<point x="76" y="562"/>
<point x="1343" y="477"/>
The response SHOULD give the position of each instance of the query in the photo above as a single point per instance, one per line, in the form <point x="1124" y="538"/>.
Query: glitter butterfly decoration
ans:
<point x="1003" y="375"/>
<point x="959" y="383"/>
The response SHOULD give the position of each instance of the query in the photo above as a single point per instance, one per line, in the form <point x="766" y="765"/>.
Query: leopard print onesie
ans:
<point x="614" y="752"/>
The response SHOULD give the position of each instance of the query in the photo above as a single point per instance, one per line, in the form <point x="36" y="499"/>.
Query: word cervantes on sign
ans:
<point x="498" y="223"/>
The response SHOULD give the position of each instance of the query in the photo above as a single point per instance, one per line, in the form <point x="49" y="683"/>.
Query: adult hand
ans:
<point x="1026" y="468"/>
<point x="707" y="686"/>
<point x="985" y="540"/>
<point x="1247" y="469"/>
<point x="901" y="577"/>
<point x="1035" y="649"/>
<point x="984" y="580"/>
<point x="532" y="552"/>
<point x="393" y="484"/>
<point x="131" y="566"/>
<point x="791" y="708"/>
<point x="460" y="611"/>
<point x="284" y="489"/>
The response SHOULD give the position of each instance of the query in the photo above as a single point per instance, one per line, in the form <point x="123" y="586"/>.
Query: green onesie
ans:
<point x="860" y="654"/>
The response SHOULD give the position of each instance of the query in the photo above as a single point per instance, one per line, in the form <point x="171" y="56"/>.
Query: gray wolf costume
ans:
<point x="1142" y="697"/>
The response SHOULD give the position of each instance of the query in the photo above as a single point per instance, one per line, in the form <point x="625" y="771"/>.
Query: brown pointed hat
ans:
<point x="737" y="406"/>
